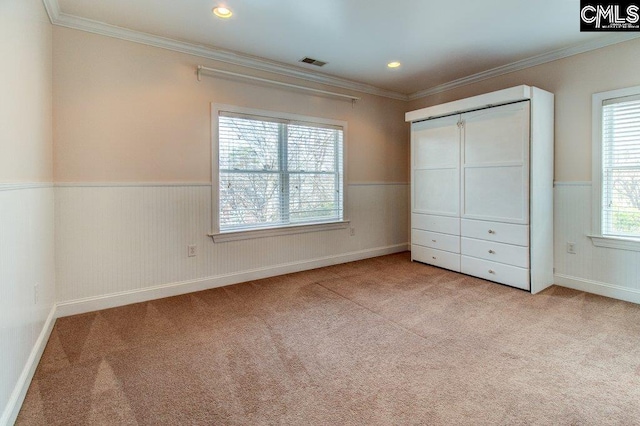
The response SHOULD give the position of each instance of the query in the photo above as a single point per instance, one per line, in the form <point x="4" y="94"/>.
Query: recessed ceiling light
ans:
<point x="222" y="12"/>
<point x="394" y="64"/>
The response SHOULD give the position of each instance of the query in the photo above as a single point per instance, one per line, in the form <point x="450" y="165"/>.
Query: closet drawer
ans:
<point x="442" y="259"/>
<point x="436" y="240"/>
<point x="496" y="231"/>
<point x="442" y="224"/>
<point x="496" y="252"/>
<point x="498" y="272"/>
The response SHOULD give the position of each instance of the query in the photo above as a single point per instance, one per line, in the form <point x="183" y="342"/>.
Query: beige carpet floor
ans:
<point x="378" y="342"/>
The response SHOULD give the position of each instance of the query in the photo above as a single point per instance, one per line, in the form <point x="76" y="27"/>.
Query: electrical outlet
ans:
<point x="35" y="294"/>
<point x="192" y="250"/>
<point x="352" y="232"/>
<point x="571" y="248"/>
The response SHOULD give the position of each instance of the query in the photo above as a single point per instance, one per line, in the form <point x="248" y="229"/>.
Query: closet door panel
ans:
<point x="435" y="169"/>
<point x="495" y="171"/>
<point x="497" y="135"/>
<point x="436" y="191"/>
<point x="495" y="193"/>
<point x="436" y="143"/>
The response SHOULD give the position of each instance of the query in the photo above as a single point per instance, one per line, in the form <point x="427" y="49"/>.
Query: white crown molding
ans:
<point x="53" y="9"/>
<point x="526" y="63"/>
<point x="74" y="22"/>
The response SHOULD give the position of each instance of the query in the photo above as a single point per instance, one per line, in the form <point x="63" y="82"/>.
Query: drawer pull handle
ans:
<point x="491" y="271"/>
<point x="491" y="231"/>
<point x="492" y="252"/>
<point x="433" y="241"/>
<point x="433" y="257"/>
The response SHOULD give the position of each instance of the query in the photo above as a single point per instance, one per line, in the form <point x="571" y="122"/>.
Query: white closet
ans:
<point x="482" y="186"/>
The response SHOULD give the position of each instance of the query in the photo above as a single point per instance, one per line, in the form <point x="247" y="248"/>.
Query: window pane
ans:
<point x="275" y="172"/>
<point x="314" y="197"/>
<point x="246" y="144"/>
<point x="622" y="212"/>
<point x="312" y="148"/>
<point x="249" y="200"/>
<point x="621" y="167"/>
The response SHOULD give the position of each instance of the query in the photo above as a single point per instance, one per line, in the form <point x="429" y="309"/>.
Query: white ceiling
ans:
<point x="437" y="41"/>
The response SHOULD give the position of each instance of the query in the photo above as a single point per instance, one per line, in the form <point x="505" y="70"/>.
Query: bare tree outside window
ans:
<point x="275" y="173"/>
<point x="312" y="164"/>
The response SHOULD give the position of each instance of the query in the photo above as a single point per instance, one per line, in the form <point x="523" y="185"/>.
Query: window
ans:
<point x="616" y="168"/>
<point x="276" y="172"/>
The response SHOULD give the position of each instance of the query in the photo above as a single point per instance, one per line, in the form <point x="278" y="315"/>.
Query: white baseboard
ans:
<point x="80" y="306"/>
<point x="10" y="413"/>
<point x="597" y="287"/>
<point x="16" y="399"/>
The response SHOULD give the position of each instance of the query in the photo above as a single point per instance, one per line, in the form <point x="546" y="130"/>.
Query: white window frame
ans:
<point x="220" y="237"/>
<point x="598" y="239"/>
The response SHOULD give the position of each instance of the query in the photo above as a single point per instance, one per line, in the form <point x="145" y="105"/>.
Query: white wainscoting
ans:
<point x="119" y="244"/>
<point x="606" y="271"/>
<point x="26" y="259"/>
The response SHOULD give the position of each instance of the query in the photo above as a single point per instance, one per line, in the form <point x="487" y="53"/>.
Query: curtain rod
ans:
<point x="278" y="83"/>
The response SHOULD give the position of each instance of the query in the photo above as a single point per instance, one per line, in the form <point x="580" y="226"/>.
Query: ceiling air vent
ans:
<point x="312" y="61"/>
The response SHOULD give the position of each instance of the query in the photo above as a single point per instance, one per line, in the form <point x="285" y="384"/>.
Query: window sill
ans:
<point x="632" y="244"/>
<point x="223" y="237"/>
